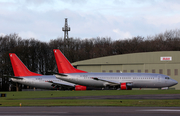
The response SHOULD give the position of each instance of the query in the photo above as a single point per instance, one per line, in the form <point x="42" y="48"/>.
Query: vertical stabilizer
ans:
<point x="19" y="68"/>
<point x="64" y="66"/>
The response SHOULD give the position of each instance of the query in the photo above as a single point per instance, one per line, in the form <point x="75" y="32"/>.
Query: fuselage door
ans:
<point x="159" y="78"/>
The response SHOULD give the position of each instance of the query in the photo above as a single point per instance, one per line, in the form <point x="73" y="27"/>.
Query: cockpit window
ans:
<point x="167" y="78"/>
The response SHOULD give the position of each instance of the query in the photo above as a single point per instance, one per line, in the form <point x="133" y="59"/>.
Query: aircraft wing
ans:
<point x="12" y="77"/>
<point x="61" y="84"/>
<point x="112" y="82"/>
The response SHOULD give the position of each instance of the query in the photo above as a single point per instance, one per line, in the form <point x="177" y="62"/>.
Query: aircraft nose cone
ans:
<point x="175" y="82"/>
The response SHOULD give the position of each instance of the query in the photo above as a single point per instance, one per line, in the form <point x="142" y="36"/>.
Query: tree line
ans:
<point x="38" y="56"/>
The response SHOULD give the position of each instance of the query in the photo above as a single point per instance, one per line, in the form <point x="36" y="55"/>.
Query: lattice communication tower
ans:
<point x="66" y="29"/>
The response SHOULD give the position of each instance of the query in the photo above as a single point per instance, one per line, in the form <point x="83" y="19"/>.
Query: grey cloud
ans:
<point x="48" y="25"/>
<point x="37" y="2"/>
<point x="75" y="1"/>
<point x="172" y="1"/>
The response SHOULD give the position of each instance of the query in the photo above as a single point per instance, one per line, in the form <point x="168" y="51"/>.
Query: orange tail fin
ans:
<point x="19" y="68"/>
<point x="64" y="66"/>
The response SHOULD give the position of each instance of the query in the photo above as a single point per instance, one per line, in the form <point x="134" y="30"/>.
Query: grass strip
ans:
<point x="141" y="103"/>
<point x="47" y="94"/>
<point x="17" y="98"/>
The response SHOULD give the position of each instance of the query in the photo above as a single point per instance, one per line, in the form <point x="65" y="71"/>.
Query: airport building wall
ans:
<point x="164" y="62"/>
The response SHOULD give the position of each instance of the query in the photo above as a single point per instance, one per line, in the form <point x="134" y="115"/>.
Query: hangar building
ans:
<point x="164" y="62"/>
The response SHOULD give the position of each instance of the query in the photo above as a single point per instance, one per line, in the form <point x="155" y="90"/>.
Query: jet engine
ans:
<point x="80" y="88"/>
<point x="126" y="86"/>
<point x="123" y="86"/>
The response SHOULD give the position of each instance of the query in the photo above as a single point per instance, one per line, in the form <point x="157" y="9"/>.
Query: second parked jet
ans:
<point x="118" y="80"/>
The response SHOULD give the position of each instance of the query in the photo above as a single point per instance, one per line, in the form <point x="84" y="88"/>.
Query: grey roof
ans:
<point x="133" y="58"/>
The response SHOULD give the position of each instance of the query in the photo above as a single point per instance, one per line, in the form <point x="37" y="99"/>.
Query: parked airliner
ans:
<point x="24" y="76"/>
<point x="122" y="81"/>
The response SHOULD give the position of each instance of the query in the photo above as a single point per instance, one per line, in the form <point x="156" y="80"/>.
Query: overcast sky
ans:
<point x="118" y="19"/>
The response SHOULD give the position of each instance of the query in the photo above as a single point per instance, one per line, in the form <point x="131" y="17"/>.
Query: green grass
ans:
<point x="157" y="103"/>
<point x="26" y="98"/>
<point x="45" y="94"/>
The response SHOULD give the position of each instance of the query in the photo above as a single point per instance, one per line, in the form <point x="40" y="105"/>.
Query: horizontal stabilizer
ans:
<point x="54" y="73"/>
<point x="12" y="77"/>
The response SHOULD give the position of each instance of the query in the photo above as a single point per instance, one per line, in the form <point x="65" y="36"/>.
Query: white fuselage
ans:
<point x="134" y="80"/>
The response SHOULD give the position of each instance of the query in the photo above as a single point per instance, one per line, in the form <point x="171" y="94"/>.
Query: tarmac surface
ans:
<point x="90" y="111"/>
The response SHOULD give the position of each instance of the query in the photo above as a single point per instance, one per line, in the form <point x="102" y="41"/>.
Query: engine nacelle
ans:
<point x="80" y="88"/>
<point x="124" y="86"/>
